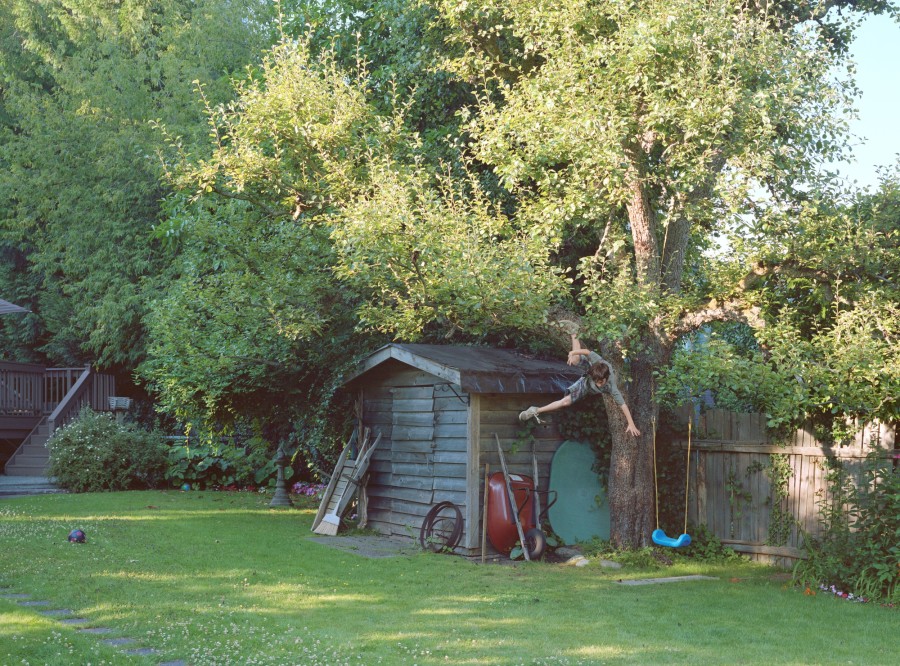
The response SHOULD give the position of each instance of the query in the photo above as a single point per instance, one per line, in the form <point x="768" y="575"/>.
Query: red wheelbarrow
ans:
<point x="512" y="514"/>
<point x="502" y="517"/>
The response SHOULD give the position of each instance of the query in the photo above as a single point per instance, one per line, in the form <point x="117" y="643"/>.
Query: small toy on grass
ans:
<point x="186" y="487"/>
<point x="77" y="536"/>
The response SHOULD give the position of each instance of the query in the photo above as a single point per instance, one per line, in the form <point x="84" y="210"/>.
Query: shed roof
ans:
<point x="6" y="307"/>
<point x="476" y="369"/>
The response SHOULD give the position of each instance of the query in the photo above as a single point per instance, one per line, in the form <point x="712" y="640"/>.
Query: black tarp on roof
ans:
<point x="476" y="369"/>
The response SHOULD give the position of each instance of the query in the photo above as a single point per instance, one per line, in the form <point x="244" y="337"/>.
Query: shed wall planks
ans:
<point x="423" y="460"/>
<point x="436" y="440"/>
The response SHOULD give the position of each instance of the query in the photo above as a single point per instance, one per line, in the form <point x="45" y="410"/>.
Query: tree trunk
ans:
<point x="631" y="484"/>
<point x="642" y="218"/>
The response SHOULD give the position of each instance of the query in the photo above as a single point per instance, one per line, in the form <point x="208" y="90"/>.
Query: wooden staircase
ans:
<point x="40" y="400"/>
<point x="32" y="457"/>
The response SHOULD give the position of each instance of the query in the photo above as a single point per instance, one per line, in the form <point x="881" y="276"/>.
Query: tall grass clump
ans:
<point x="95" y="453"/>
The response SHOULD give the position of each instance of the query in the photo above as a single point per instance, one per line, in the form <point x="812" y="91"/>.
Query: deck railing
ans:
<point x="28" y="390"/>
<point x="90" y="389"/>
<point x="21" y="389"/>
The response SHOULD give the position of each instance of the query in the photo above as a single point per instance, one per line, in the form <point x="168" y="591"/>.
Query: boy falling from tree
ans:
<point x="599" y="378"/>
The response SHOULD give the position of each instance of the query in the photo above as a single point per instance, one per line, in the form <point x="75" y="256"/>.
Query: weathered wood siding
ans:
<point x="435" y="442"/>
<point x="499" y="414"/>
<point x="731" y="493"/>
<point x="421" y="459"/>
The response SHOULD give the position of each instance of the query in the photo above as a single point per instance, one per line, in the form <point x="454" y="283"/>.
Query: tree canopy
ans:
<point x="80" y="185"/>
<point x="236" y="199"/>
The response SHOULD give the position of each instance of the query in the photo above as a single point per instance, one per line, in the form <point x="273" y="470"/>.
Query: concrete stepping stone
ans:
<point x="25" y="600"/>
<point x="96" y="630"/>
<point x="671" y="579"/>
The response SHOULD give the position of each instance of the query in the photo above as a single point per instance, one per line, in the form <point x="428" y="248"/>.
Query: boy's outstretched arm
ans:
<point x="631" y="429"/>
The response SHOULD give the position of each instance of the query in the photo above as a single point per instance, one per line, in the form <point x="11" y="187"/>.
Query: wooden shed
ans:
<point x="438" y="408"/>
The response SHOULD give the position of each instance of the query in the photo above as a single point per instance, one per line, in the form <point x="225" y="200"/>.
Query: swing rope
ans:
<point x="687" y="476"/>
<point x="655" y="483"/>
<point x="687" y="479"/>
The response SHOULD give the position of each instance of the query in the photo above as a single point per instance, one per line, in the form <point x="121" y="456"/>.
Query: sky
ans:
<point x="876" y="51"/>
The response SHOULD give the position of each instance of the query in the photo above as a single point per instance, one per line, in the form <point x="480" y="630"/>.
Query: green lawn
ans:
<point x="219" y="578"/>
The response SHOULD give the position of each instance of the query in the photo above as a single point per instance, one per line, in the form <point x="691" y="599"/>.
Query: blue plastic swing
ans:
<point x="659" y="537"/>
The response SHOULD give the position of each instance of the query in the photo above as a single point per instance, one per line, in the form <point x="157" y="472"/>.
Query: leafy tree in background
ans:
<point x="253" y="325"/>
<point x="644" y="131"/>
<point x="400" y="45"/>
<point x="79" y="186"/>
<point x="314" y="229"/>
<point x="824" y="274"/>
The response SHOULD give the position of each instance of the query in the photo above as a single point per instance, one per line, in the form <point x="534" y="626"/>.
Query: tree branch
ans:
<point x="732" y="310"/>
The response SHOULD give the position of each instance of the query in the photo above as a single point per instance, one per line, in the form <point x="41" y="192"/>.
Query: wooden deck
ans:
<point x="34" y="401"/>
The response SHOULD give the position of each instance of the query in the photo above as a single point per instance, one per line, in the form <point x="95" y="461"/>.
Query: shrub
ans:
<point x="707" y="547"/>
<point x="212" y="466"/>
<point x="859" y="549"/>
<point x="95" y="453"/>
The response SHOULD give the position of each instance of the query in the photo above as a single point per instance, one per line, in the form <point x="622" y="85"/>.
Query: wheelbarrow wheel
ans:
<point x="536" y="543"/>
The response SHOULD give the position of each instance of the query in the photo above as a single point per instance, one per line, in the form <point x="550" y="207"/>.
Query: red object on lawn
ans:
<point x="501" y="524"/>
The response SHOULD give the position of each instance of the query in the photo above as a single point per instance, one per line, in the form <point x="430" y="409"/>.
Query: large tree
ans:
<point x="80" y="190"/>
<point x="633" y="136"/>
<point x="314" y="230"/>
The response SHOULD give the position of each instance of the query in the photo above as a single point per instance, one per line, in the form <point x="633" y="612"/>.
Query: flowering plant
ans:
<point x="94" y="453"/>
<point x="307" y="489"/>
<point x="843" y="595"/>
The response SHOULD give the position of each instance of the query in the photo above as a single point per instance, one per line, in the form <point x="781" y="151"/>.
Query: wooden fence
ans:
<point x="758" y="496"/>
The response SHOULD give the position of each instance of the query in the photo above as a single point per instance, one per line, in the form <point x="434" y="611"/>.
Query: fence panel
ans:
<point x="731" y="484"/>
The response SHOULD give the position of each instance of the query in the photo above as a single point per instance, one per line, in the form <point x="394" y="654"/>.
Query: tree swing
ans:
<point x="659" y="536"/>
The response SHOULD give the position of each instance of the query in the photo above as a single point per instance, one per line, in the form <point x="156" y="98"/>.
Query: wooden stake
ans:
<point x="512" y="501"/>
<point x="487" y="474"/>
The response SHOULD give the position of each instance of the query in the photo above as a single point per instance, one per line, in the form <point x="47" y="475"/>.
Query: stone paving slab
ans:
<point x="672" y="579"/>
<point x="96" y="630"/>
<point x="369" y="546"/>
<point x="75" y="620"/>
<point x="12" y="487"/>
<point x="58" y="613"/>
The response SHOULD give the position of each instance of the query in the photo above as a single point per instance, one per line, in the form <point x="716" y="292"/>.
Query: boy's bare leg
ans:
<point x="532" y="412"/>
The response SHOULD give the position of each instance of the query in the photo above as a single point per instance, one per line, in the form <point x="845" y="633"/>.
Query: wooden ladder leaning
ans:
<point x="343" y="484"/>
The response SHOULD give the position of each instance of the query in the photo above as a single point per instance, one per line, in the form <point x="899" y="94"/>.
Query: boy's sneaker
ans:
<point x="530" y="413"/>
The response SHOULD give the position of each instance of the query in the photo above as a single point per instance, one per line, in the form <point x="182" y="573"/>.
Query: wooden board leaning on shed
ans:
<point x="343" y="485"/>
